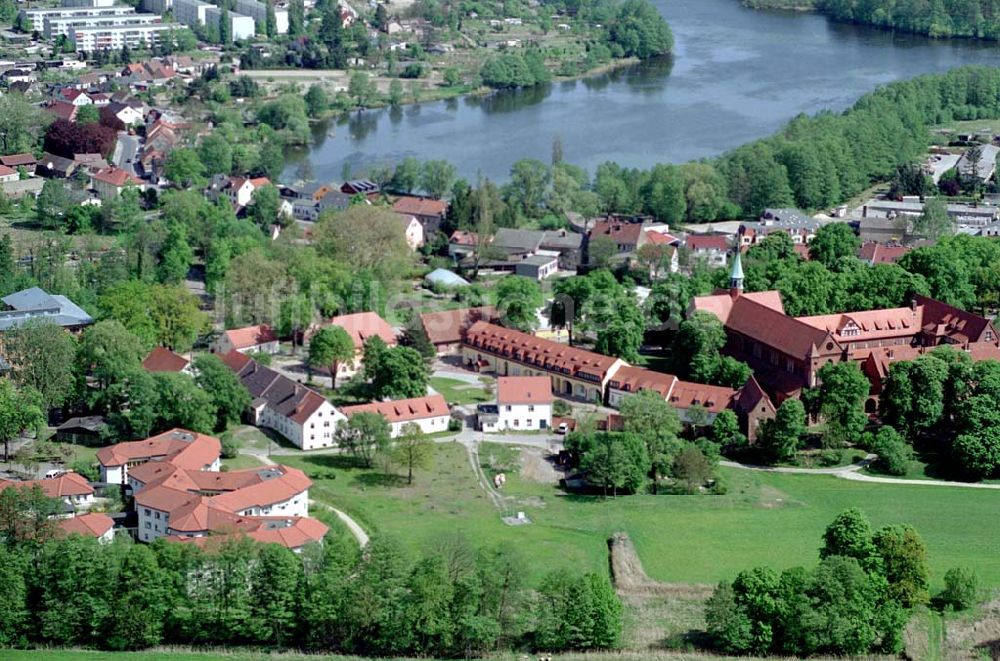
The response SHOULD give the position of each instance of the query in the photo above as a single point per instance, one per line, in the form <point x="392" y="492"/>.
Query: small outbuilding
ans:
<point x="445" y="278"/>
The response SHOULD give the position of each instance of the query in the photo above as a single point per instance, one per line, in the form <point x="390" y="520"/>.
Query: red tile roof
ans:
<point x="363" y="325"/>
<point x="634" y="379"/>
<point x="617" y="231"/>
<point x="524" y="390"/>
<point x="16" y="160"/>
<point x="404" y="410"/>
<point x="539" y="352"/>
<point x="272" y="490"/>
<point x="661" y="238"/>
<point x="721" y="304"/>
<point x="92" y="524"/>
<point x="699" y="242"/>
<point x="186" y="449"/>
<point x="713" y="398"/>
<point x="116" y="177"/>
<point x="448" y="327"/>
<point x="463" y="238"/>
<point x="161" y="359"/>
<point x="62" y="110"/>
<point x="67" y="485"/>
<point x="879" y="253"/>
<point x="251" y="336"/>
<point x="420" y="206"/>
<point x="6" y="171"/>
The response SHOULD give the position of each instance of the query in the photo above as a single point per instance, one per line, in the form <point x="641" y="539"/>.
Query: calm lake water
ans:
<point x="736" y="75"/>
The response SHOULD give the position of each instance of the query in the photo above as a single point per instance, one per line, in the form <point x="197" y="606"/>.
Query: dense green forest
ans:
<point x="941" y="19"/>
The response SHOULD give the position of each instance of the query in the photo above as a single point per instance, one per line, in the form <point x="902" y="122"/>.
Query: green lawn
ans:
<point x="241" y="461"/>
<point x="456" y="391"/>
<point x="767" y="519"/>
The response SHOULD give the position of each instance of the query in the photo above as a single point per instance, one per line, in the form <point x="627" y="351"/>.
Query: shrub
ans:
<point x="561" y="408"/>
<point x="85" y="469"/>
<point x="894" y="454"/>
<point x="454" y="425"/>
<point x="230" y="447"/>
<point x="961" y="588"/>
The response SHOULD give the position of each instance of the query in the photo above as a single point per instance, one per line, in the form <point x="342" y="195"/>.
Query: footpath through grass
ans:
<point x="765" y="519"/>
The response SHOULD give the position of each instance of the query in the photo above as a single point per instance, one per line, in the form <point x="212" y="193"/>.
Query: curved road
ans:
<point x="852" y="472"/>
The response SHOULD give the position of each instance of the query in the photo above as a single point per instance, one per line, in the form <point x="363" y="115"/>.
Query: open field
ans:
<point x="764" y="519"/>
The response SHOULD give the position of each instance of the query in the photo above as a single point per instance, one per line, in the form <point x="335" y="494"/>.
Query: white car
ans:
<point x="562" y="428"/>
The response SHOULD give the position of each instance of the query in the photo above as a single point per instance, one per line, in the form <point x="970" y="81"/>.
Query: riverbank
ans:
<point x="787" y="5"/>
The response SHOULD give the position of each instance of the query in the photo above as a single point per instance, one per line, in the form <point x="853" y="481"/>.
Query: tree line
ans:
<point x="856" y="601"/>
<point x="457" y="601"/>
<point x="976" y="19"/>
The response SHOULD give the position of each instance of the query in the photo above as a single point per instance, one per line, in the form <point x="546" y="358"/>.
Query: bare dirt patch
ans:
<point x="976" y="637"/>
<point x="536" y="468"/>
<point x="630" y="577"/>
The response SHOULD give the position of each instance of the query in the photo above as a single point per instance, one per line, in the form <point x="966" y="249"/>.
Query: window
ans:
<point x="989" y="336"/>
<point x="157" y="516"/>
<point x="517" y="423"/>
<point x="508" y="407"/>
<point x="531" y="408"/>
<point x="148" y="525"/>
<point x="145" y="511"/>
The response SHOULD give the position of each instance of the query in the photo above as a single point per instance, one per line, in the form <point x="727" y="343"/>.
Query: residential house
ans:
<point x="61" y="110"/>
<point x="626" y="237"/>
<point x="55" y="167"/>
<point x="413" y="231"/>
<point x="71" y="489"/>
<point x="250" y="339"/>
<point x="111" y="181"/>
<point x="446" y="329"/>
<point x="874" y="253"/>
<point x="297" y="412"/>
<point x="92" y="524"/>
<point x="712" y="249"/>
<point x="362" y="326"/>
<point x="524" y="403"/>
<point x="129" y="114"/>
<point x="429" y="413"/>
<point x="162" y="359"/>
<point x="185" y="449"/>
<point x="8" y="175"/>
<point x="75" y="96"/>
<point x="35" y="304"/>
<point x="462" y="244"/>
<point x="429" y="211"/>
<point x="786" y="352"/>
<point x="799" y="225"/>
<point x="23" y="160"/>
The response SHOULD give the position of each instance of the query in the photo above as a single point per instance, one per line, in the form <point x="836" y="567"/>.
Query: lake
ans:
<point x="736" y="75"/>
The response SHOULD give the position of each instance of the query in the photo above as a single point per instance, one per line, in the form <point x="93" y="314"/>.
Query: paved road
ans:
<point x="126" y="152"/>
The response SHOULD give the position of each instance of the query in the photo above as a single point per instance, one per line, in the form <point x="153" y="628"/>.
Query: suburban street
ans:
<point x="126" y="152"/>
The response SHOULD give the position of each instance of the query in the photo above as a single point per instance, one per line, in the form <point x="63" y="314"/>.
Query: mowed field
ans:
<point x="764" y="519"/>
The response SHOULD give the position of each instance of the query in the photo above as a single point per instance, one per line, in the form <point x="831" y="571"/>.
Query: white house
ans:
<point x="185" y="449"/>
<point x="297" y="412"/>
<point x="413" y="231"/>
<point x="91" y="524"/>
<point x="110" y="182"/>
<point x="8" y="175"/>
<point x="523" y="403"/>
<point x="250" y="339"/>
<point x="430" y="413"/>
<point x="71" y="488"/>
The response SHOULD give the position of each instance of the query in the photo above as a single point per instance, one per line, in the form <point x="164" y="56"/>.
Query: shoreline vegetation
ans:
<point x="977" y="19"/>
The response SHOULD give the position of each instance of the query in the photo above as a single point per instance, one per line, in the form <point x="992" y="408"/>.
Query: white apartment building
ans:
<point x="240" y="27"/>
<point x="53" y="27"/>
<point x="88" y="3"/>
<point x="158" y="6"/>
<point x="35" y="18"/>
<point x="258" y="12"/>
<point x="191" y="12"/>
<point x="113" y="38"/>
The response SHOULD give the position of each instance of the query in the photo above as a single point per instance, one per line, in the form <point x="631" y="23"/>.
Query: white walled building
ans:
<point x="88" y="3"/>
<point x="66" y="25"/>
<point x="523" y="403"/>
<point x="258" y="12"/>
<point x="240" y="27"/>
<point x="113" y="38"/>
<point x="184" y="449"/>
<point x="431" y="413"/>
<point x="35" y="18"/>
<point x="158" y="6"/>
<point x="251" y="339"/>
<point x="297" y="412"/>
<point x="191" y="12"/>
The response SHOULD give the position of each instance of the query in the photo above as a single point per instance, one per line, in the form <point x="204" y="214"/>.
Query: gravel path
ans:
<point x="852" y="472"/>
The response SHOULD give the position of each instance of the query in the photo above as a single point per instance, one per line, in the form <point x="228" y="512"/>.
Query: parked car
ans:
<point x="562" y="428"/>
